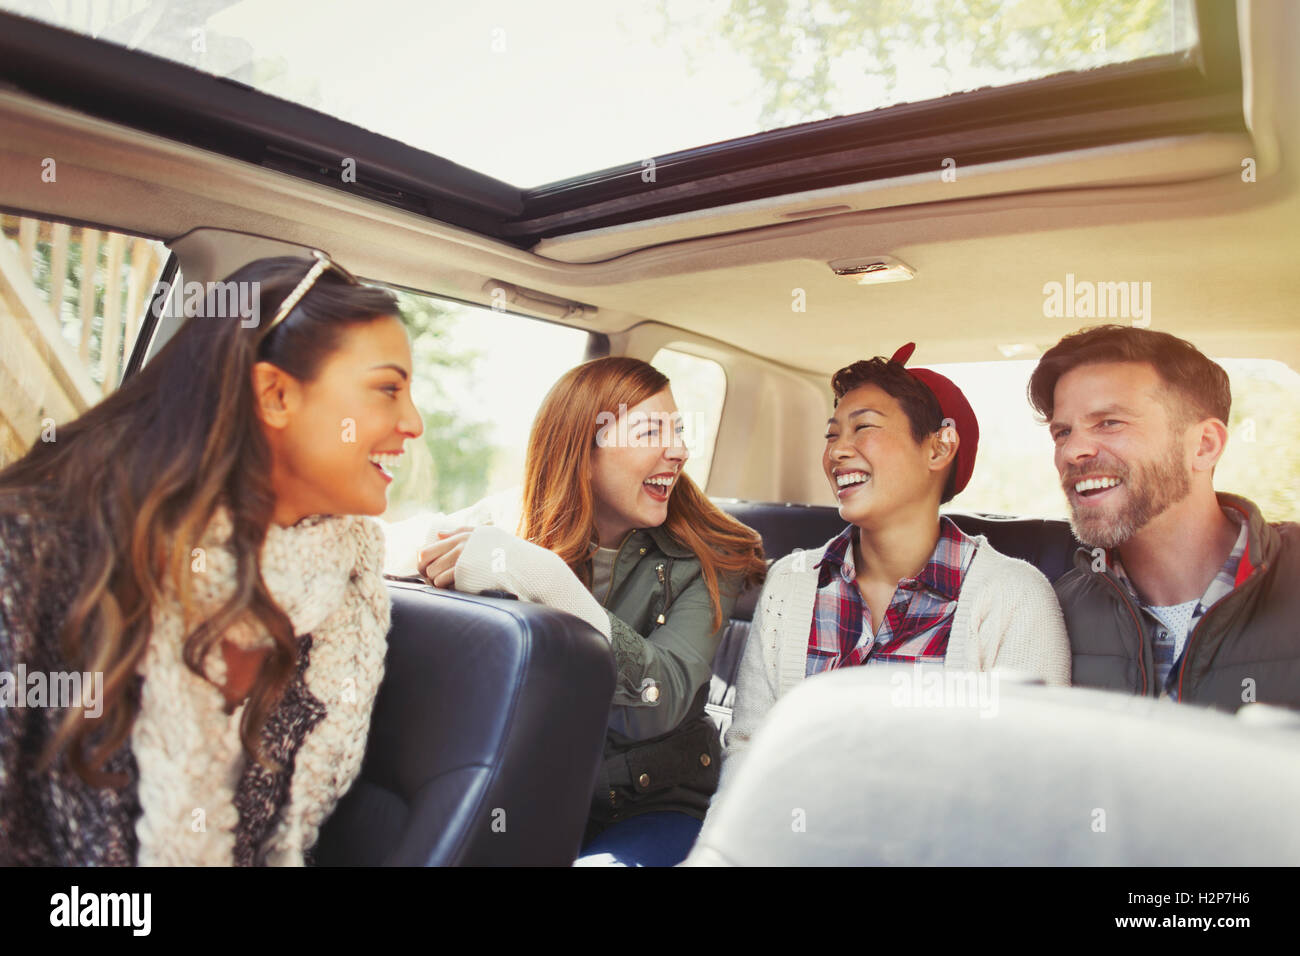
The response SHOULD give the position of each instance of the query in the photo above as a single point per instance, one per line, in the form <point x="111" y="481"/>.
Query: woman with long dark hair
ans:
<point x="616" y="533"/>
<point x="191" y="548"/>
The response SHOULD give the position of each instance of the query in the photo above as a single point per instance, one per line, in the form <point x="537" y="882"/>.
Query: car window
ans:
<point x="699" y="387"/>
<point x="480" y="377"/>
<point x="72" y="306"/>
<point x="1015" y="474"/>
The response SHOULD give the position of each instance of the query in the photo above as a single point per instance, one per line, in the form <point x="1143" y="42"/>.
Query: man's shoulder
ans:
<point x="1078" y="581"/>
<point x="1087" y="595"/>
<point x="1288" y="533"/>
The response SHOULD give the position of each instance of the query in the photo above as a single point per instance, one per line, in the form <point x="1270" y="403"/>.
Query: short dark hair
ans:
<point x="1187" y="374"/>
<point x="919" y="404"/>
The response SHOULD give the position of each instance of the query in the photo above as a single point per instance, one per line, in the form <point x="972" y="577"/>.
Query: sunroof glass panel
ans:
<point x="532" y="93"/>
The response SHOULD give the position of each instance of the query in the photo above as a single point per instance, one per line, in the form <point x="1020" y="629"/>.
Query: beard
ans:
<point x="1148" y="491"/>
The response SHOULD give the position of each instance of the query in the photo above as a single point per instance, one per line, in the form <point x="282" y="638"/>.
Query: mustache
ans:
<point x="1108" y="465"/>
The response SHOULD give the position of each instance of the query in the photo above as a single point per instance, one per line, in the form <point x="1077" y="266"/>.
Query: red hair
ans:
<point x="559" y="512"/>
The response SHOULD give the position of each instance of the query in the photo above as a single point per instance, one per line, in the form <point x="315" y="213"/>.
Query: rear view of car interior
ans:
<point x="749" y="268"/>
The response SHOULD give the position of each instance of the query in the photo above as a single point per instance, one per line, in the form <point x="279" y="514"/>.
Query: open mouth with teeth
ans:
<point x="659" y="487"/>
<point x="384" y="462"/>
<point x="849" y="481"/>
<point x="1094" y="487"/>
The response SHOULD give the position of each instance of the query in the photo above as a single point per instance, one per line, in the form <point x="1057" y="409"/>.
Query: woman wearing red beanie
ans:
<point x="901" y="583"/>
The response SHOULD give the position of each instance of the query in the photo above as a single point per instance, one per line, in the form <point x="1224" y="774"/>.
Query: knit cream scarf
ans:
<point x="326" y="574"/>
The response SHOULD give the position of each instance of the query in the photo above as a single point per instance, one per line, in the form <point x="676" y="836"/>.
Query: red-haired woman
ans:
<point x="614" y="532"/>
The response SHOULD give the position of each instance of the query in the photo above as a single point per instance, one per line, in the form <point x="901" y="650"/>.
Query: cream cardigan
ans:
<point x="1007" y="617"/>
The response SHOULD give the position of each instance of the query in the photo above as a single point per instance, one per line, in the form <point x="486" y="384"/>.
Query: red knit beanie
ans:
<point x="953" y="404"/>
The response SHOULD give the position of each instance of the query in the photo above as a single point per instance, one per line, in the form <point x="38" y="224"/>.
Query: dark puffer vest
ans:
<point x="1245" y="648"/>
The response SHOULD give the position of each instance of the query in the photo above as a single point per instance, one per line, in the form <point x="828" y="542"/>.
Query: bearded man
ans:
<point x="1178" y="591"/>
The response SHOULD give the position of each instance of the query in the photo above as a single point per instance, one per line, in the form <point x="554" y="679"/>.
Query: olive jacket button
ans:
<point x="643" y="781"/>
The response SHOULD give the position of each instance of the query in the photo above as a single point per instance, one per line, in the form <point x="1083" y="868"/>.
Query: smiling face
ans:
<point x="1122" y="459"/>
<point x="334" y="439"/>
<point x="875" y="467"/>
<point x="635" y="467"/>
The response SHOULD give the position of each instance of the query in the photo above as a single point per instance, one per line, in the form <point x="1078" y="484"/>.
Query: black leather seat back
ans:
<point x="485" y="738"/>
<point x="1046" y="543"/>
<point x="785" y="527"/>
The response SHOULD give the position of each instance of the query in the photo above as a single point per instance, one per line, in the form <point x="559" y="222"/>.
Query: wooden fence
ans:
<point x="71" y="303"/>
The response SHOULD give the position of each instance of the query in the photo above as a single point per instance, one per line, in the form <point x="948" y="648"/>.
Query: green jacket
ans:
<point x="1244" y="648"/>
<point x="662" y="751"/>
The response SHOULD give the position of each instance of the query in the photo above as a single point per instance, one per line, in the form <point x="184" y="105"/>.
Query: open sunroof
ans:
<point x="533" y="93"/>
<point x="523" y="120"/>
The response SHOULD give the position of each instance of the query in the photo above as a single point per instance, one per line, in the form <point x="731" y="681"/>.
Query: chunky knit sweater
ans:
<point x="191" y="797"/>
<point x="1007" y="618"/>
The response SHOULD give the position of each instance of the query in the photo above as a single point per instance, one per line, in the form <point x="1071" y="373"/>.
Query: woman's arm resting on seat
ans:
<point x="404" y="539"/>
<point x="494" y="559"/>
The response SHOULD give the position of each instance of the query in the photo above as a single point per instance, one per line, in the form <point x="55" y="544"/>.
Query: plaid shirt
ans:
<point x="919" y="617"/>
<point x="1169" y="631"/>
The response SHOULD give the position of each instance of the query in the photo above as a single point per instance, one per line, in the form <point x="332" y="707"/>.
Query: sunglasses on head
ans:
<point x="319" y="267"/>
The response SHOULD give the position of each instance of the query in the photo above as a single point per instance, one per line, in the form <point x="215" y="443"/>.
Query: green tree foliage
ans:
<point x="801" y="51"/>
<point x="448" y="467"/>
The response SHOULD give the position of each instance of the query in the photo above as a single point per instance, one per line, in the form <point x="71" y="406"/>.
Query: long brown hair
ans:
<point x="140" y="476"/>
<point x="559" y="507"/>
